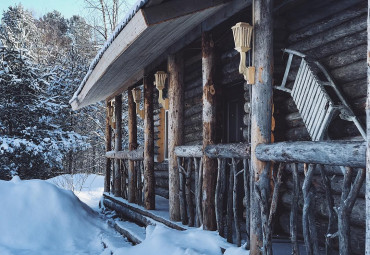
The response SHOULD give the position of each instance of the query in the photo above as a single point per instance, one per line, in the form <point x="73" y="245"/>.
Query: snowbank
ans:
<point x="88" y="188"/>
<point x="162" y="240"/>
<point x="36" y="217"/>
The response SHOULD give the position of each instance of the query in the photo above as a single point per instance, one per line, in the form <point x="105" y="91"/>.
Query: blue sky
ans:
<point x="68" y="8"/>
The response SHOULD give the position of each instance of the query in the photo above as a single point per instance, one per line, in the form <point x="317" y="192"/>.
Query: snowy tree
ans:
<point x="32" y="111"/>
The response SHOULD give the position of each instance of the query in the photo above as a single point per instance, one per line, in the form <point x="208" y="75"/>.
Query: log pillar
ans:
<point x="261" y="113"/>
<point x="149" y="181"/>
<point x="118" y="144"/>
<point x="108" y="147"/>
<point x="175" y="129"/>
<point x="209" y="132"/>
<point x="132" y="145"/>
<point x="367" y="193"/>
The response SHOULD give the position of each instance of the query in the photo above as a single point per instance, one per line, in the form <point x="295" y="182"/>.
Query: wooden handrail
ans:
<point x="335" y="153"/>
<point x="193" y="151"/>
<point x="137" y="154"/>
<point x="230" y="150"/>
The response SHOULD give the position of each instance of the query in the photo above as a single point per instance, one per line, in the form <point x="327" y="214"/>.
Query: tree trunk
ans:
<point x="108" y="147"/>
<point x="209" y="132"/>
<point x="261" y="111"/>
<point x="149" y="181"/>
<point x="132" y="140"/>
<point x="175" y="130"/>
<point x="118" y="145"/>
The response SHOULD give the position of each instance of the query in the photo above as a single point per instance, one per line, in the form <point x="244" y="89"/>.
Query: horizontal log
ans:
<point x="319" y="13"/>
<point x="337" y="153"/>
<point x="161" y="182"/>
<point x="161" y="192"/>
<point x="161" y="166"/>
<point x="192" y="135"/>
<point x="337" y="46"/>
<point x="161" y="174"/>
<point x="195" y="109"/>
<point x="189" y="151"/>
<point x="231" y="150"/>
<point x="137" y="154"/>
<point x="328" y="23"/>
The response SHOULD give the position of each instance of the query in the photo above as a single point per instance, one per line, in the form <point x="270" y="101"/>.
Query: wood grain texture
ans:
<point x="209" y="132"/>
<point x="132" y="140"/>
<point x="118" y="145"/>
<point x="175" y="130"/>
<point x="261" y="107"/>
<point x="108" y="147"/>
<point x="149" y="178"/>
<point x="337" y="153"/>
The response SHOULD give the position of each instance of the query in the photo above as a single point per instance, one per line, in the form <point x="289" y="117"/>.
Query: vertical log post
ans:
<point x="294" y="212"/>
<point x="108" y="147"/>
<point x="235" y="202"/>
<point x="331" y="212"/>
<point x="247" y="200"/>
<point x="175" y="130"/>
<point x="118" y="145"/>
<point x="229" y="209"/>
<point x="367" y="192"/>
<point x="149" y="181"/>
<point x="182" y="196"/>
<point x="189" y="197"/>
<point x="261" y="112"/>
<point x="220" y="192"/>
<point x="209" y="132"/>
<point x="132" y="145"/>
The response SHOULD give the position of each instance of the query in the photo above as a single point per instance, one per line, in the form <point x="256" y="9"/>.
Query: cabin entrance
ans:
<point x="233" y="114"/>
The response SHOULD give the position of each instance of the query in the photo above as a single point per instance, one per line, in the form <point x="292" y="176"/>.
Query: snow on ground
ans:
<point x="38" y="217"/>
<point x="88" y="188"/>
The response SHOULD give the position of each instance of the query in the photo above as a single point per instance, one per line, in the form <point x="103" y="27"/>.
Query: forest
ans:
<point x="43" y="61"/>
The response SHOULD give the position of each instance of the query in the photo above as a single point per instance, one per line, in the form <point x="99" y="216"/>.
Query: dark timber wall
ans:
<point x="334" y="32"/>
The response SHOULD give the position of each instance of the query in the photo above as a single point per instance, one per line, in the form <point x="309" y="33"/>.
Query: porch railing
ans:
<point x="230" y="158"/>
<point x="136" y="157"/>
<point x="318" y="155"/>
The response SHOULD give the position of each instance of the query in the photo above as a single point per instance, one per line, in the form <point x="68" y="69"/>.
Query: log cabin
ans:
<point x="254" y="119"/>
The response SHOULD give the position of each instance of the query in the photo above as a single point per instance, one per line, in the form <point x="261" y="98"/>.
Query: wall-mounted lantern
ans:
<point x="242" y="37"/>
<point x="112" y="115"/>
<point x="160" y="80"/>
<point x="136" y="92"/>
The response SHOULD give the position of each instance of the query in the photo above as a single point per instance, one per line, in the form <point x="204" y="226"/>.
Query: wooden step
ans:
<point x="139" y="215"/>
<point x="133" y="232"/>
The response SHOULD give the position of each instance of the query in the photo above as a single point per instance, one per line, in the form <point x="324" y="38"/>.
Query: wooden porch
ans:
<point x="222" y="160"/>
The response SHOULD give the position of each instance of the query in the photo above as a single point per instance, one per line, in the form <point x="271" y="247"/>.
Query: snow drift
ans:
<point x="36" y="217"/>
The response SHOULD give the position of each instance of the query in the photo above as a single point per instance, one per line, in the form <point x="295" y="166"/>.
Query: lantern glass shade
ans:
<point x="137" y="95"/>
<point x="160" y="79"/>
<point x="242" y="36"/>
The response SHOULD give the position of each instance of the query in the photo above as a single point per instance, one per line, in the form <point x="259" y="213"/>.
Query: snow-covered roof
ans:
<point x="142" y="39"/>
<point x="119" y="28"/>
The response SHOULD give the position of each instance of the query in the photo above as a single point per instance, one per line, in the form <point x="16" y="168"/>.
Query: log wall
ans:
<point x="333" y="32"/>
